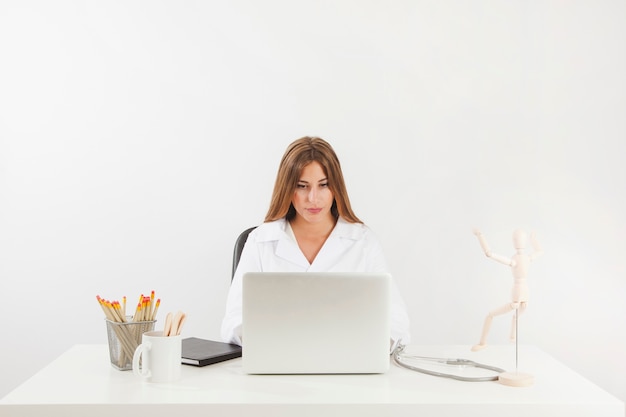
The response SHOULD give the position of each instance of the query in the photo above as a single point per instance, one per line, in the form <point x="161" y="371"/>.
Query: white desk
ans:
<point x="81" y="382"/>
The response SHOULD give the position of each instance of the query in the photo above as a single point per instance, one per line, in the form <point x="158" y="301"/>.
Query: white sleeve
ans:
<point x="400" y="323"/>
<point x="231" y="323"/>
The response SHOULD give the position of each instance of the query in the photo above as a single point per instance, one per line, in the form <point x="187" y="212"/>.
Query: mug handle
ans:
<point x="141" y="371"/>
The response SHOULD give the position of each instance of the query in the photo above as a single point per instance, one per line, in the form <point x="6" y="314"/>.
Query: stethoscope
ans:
<point x="398" y="355"/>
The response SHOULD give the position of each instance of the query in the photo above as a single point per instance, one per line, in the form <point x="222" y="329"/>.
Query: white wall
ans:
<point x="138" y="138"/>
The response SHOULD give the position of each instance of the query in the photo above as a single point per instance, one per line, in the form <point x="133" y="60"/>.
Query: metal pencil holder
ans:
<point x="124" y="337"/>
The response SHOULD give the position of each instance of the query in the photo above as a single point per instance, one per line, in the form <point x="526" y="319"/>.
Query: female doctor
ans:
<point x="310" y="226"/>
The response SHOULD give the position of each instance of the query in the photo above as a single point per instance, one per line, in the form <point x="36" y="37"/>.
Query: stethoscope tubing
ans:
<point x="397" y="356"/>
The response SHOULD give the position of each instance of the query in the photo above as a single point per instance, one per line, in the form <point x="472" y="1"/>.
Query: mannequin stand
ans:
<point x="516" y="379"/>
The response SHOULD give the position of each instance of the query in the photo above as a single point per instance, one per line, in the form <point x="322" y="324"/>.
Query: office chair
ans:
<point x="239" y="244"/>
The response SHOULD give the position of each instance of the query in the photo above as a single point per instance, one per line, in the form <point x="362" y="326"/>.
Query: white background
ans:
<point x="138" y="138"/>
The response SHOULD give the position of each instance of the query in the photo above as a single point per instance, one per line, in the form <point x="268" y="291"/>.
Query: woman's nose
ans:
<point x="312" y="194"/>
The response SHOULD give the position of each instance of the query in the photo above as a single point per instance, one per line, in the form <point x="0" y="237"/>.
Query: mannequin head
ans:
<point x="519" y="239"/>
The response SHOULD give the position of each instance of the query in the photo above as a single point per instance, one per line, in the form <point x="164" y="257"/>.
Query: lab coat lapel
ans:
<point x="284" y="247"/>
<point x="289" y="251"/>
<point x="326" y="258"/>
<point x="341" y="238"/>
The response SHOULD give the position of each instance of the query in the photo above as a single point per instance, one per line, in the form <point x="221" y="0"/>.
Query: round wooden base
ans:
<point x="516" y="379"/>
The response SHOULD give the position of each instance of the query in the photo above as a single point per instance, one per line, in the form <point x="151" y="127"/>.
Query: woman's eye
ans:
<point x="301" y="186"/>
<point x="324" y="184"/>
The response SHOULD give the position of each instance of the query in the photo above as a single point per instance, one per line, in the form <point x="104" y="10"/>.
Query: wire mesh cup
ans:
<point x="124" y="337"/>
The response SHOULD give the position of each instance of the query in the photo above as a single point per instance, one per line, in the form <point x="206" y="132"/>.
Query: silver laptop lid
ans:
<point x="316" y="323"/>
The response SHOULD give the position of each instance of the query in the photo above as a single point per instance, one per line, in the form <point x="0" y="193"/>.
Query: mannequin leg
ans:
<point x="520" y="310"/>
<point x="487" y="324"/>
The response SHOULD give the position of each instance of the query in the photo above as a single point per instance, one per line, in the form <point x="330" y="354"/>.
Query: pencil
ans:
<point x="139" y="306"/>
<point x="152" y="305"/>
<point x="156" y="308"/>
<point x="106" y="311"/>
<point x="137" y="312"/>
<point x="145" y="307"/>
<point x="119" y="312"/>
<point x="148" y="311"/>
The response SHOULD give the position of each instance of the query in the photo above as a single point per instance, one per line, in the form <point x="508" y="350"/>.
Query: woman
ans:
<point x="310" y="226"/>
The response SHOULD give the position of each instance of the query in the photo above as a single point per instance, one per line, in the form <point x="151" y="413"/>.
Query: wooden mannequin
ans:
<point x="519" y="264"/>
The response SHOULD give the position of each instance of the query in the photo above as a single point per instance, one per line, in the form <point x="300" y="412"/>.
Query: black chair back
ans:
<point x="239" y="244"/>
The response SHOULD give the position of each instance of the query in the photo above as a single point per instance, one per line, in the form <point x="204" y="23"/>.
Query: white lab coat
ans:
<point x="272" y="247"/>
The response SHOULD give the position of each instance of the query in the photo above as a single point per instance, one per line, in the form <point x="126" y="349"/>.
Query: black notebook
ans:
<point x="202" y="352"/>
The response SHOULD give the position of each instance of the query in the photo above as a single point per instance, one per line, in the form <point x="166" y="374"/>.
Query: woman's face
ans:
<point x="313" y="198"/>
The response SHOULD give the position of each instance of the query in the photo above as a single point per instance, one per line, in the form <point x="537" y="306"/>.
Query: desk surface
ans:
<point x="82" y="382"/>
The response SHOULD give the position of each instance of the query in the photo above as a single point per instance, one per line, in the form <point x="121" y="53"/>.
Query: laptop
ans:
<point x="316" y="323"/>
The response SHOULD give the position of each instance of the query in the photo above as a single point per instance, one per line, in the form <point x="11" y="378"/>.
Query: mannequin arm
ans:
<point x="498" y="258"/>
<point x="502" y="259"/>
<point x="483" y="242"/>
<point x="537" y="250"/>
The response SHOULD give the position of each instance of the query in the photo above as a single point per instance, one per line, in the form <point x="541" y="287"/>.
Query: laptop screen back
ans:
<point x="316" y="323"/>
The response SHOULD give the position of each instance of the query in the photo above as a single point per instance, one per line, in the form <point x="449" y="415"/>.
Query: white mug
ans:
<point x="160" y="357"/>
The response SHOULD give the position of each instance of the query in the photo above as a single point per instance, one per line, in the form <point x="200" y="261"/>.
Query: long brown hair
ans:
<point x="299" y="154"/>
